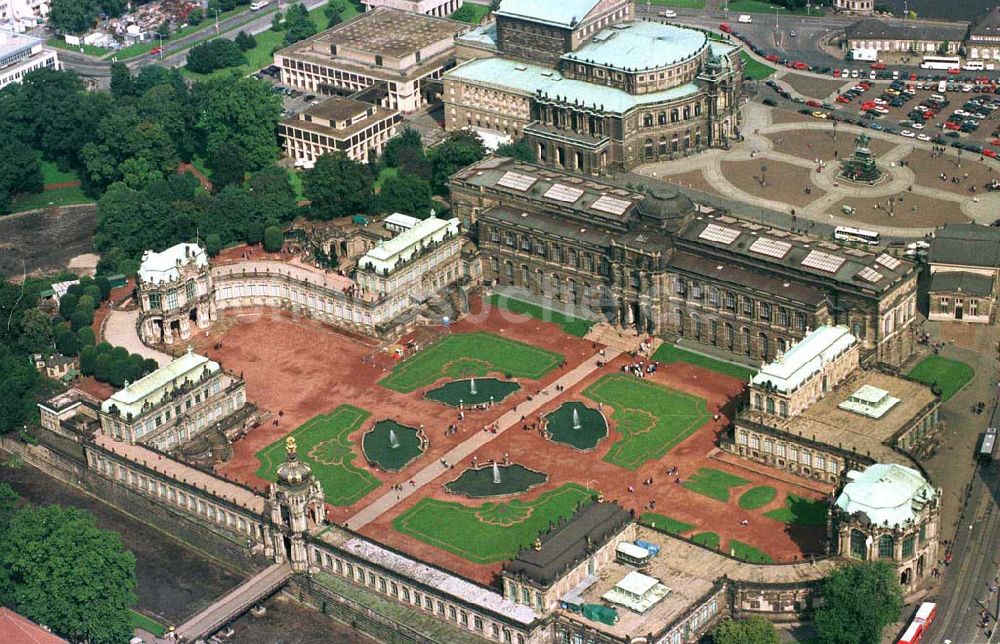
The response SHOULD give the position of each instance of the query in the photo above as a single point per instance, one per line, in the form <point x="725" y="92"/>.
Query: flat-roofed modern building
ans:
<point x="440" y="8"/>
<point x="177" y="402"/>
<point x="965" y="264"/>
<point x="591" y="88"/>
<point x="359" y="130"/>
<point x="20" y="54"/>
<point x="890" y="513"/>
<point x="403" y="52"/>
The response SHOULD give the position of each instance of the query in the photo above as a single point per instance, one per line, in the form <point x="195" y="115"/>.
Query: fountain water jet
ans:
<point x="576" y="419"/>
<point x="496" y="474"/>
<point x="393" y="441"/>
<point x="472" y="386"/>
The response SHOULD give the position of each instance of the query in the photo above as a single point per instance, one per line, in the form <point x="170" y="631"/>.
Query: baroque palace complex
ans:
<point x="827" y="327"/>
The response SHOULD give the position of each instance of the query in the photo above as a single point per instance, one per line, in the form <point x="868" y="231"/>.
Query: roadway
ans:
<point x="965" y="588"/>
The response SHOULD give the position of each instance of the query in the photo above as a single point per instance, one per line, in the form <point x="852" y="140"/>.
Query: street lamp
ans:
<point x="160" y="38"/>
<point x="216" y="21"/>
<point x="776" y="10"/>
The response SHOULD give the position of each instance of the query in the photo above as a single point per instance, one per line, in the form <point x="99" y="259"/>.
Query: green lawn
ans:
<point x="665" y="523"/>
<point x="757" y="6"/>
<point x="89" y="50"/>
<point x="464" y="355"/>
<point x="713" y="483"/>
<point x="669" y="353"/>
<point x="200" y="164"/>
<point x="571" y="325"/>
<point x="800" y="511"/>
<point x="324" y="446"/>
<point x="58" y="197"/>
<point x="138" y="620"/>
<point x="471" y="13"/>
<point x="746" y="552"/>
<point x="651" y="418"/>
<point x="754" y="69"/>
<point x="491" y="532"/>
<point x="295" y="177"/>
<point x="707" y="539"/>
<point x="52" y="174"/>
<point x="680" y="4"/>
<point x="384" y="174"/>
<point x="140" y="48"/>
<point x="948" y="375"/>
<point x="757" y="497"/>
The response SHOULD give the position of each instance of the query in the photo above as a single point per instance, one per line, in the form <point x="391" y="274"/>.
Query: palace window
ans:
<point x="494" y="235"/>
<point x="647" y="120"/>
<point x="509" y="271"/>
<point x="730" y="300"/>
<point x="783" y="408"/>
<point x="779" y="449"/>
<point x="673" y="116"/>
<point x="713" y="296"/>
<point x="770" y="405"/>
<point x="944" y="303"/>
<point x="858" y="545"/>
<point x="478" y="622"/>
<point x="747" y="307"/>
<point x="783" y="317"/>
<point x="885" y="546"/>
<point x="556" y="253"/>
<point x="172" y="300"/>
<point x="697" y="291"/>
<point x="540" y="248"/>
<point x="923" y="532"/>
<point x="154" y="300"/>
<point x="768" y="446"/>
<point x="508" y="238"/>
<point x="526" y="243"/>
<point x="189" y="290"/>
<point x="662" y="118"/>
<point x="765" y="311"/>
<point x="908" y="542"/>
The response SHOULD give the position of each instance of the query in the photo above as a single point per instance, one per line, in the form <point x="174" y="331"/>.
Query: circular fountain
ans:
<point x="576" y="425"/>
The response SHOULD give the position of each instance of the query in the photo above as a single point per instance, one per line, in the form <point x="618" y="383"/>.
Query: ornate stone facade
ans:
<point x="174" y="290"/>
<point x="582" y="93"/>
<point x="296" y="507"/>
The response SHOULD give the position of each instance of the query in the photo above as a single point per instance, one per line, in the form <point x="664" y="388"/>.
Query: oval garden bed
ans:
<point x="576" y="425"/>
<point x="392" y="446"/>
<point x="499" y="480"/>
<point x="473" y="391"/>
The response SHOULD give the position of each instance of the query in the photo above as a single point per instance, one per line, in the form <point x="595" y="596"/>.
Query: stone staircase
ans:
<point x="626" y="340"/>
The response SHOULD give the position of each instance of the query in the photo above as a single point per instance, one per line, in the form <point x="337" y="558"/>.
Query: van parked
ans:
<point x="745" y="19"/>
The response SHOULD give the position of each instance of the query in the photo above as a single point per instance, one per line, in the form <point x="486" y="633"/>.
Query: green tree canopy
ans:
<point x="36" y="331"/>
<point x="338" y="186"/>
<point x="273" y="195"/>
<point x="298" y="24"/>
<point x="459" y="149"/>
<point x="216" y="54"/>
<point x="20" y="171"/>
<point x="406" y="194"/>
<point x="520" y="150"/>
<point x="59" y="569"/>
<point x="859" y="601"/>
<point x="241" y="111"/>
<point x="755" y="630"/>
<point x="86" y="336"/>
<point x="67" y="343"/>
<point x="273" y="239"/>
<point x="80" y="318"/>
<point x="245" y="41"/>
<point x="17" y="382"/>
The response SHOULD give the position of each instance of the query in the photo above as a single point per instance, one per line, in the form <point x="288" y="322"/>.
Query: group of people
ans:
<point x="641" y="368"/>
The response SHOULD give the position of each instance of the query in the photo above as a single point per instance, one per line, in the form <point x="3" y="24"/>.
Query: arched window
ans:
<point x="647" y="120"/>
<point x="908" y="542"/>
<point x="758" y="401"/>
<point x="885" y="546"/>
<point x="679" y="321"/>
<point x="687" y="113"/>
<point x="509" y="271"/>
<point x="745" y="332"/>
<point x="764" y="346"/>
<point x="697" y="109"/>
<point x="858" y="544"/>
<point x="647" y="148"/>
<point x="673" y="116"/>
<point x="770" y="405"/>
<point x="663" y="145"/>
<point x="730" y="336"/>
<point x="662" y="118"/>
<point x="783" y="408"/>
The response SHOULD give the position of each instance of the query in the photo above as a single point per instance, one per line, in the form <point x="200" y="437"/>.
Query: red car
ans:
<point x="155" y="50"/>
<point x="878" y="66"/>
<point x="953" y="71"/>
<point x="995" y="142"/>
<point x="773" y="58"/>
<point x="799" y="65"/>
<point x="725" y="28"/>
<point x="836" y="73"/>
<point x="813" y="103"/>
<point x="843" y="99"/>
<point x="952" y="126"/>
<point x="987" y="152"/>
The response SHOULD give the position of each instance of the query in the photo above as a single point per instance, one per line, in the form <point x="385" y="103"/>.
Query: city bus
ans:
<point x="941" y="62"/>
<point x="987" y="445"/>
<point x="259" y="4"/>
<point x="921" y="622"/>
<point x="846" y="233"/>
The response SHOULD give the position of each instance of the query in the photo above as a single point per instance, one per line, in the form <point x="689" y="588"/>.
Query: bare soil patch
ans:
<point x="927" y="171"/>
<point x="915" y="211"/>
<point x="781" y="181"/>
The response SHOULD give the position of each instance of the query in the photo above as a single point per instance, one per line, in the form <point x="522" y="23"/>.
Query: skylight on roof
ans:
<point x="719" y="234"/>
<point x="770" y="247"/>
<point x="888" y="261"/>
<point x="823" y="261"/>
<point x="869" y="274"/>
<point x="516" y="181"/>
<point x="559" y="192"/>
<point x="611" y="205"/>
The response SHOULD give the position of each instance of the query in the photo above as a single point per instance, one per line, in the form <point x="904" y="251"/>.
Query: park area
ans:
<point x="461" y="513"/>
<point x="948" y="376"/>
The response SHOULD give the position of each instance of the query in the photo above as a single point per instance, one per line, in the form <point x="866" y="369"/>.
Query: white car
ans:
<point x="918" y="245"/>
<point x="879" y="101"/>
<point x="908" y="134"/>
<point x="924" y="137"/>
<point x="669" y="13"/>
<point x="854" y="73"/>
<point x="845" y="73"/>
<point x="917" y="126"/>
<point x="880" y="110"/>
<point x="871" y="75"/>
<point x="966" y="88"/>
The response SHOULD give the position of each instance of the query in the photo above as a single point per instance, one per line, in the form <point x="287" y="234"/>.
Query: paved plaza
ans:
<point x="789" y="163"/>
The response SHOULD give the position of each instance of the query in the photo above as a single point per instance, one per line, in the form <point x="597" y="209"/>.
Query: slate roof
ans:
<point x="988" y="26"/>
<point x="563" y="13"/>
<point x="570" y="543"/>
<point x="961" y="282"/>
<point x="874" y="29"/>
<point x="966" y="245"/>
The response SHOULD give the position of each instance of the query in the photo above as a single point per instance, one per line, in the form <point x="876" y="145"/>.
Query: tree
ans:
<point x="406" y="194"/>
<point x="9" y="500"/>
<point x="859" y="601"/>
<point x="755" y="630"/>
<point x="273" y="195"/>
<point x="213" y="244"/>
<point x="277" y="22"/>
<point x="102" y="367"/>
<point x="36" y="331"/>
<point x="135" y="367"/>
<point x="245" y="41"/>
<point x="254" y="232"/>
<point x="80" y="318"/>
<point x="65" y="544"/>
<point x="338" y="186"/>
<point x="119" y="372"/>
<point x="73" y="16"/>
<point x="216" y="54"/>
<point x="195" y="16"/>
<point x="86" y="336"/>
<point x="17" y="382"/>
<point x="520" y="150"/>
<point x="94" y="292"/>
<point x="122" y="83"/>
<point x="332" y="13"/>
<point x="298" y="24"/>
<point x="459" y="149"/>
<point x="273" y="239"/>
<point x="88" y="360"/>
<point x="241" y="111"/>
<point x="67" y="343"/>
<point x="149" y="366"/>
<point x="408" y="139"/>
<point x="67" y="304"/>
<point x="104" y="284"/>
<point x="86" y="301"/>
<point x="20" y="171"/>
<point x="228" y="165"/>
